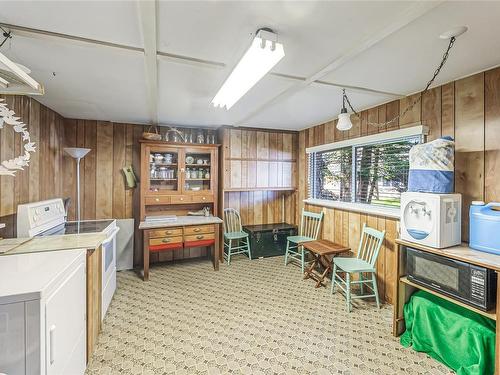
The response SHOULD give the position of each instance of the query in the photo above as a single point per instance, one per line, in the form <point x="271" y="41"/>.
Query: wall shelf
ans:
<point x="259" y="174"/>
<point x="262" y="189"/>
<point x="262" y="159"/>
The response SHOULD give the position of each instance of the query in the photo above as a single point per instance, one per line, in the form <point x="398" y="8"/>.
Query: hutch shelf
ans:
<point x="178" y="178"/>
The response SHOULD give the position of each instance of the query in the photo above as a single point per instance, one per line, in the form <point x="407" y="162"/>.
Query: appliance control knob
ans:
<point x="61" y="208"/>
<point x="35" y="218"/>
<point x="37" y="211"/>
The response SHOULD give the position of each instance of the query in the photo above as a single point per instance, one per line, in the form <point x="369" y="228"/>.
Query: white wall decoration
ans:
<point x="10" y="167"/>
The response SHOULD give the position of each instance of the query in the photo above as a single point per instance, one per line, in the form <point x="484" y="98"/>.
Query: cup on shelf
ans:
<point x="159" y="158"/>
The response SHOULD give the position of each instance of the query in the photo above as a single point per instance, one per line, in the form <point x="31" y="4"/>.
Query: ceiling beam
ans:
<point x="29" y="32"/>
<point x="409" y="15"/>
<point x="147" y="18"/>
<point x="188" y="60"/>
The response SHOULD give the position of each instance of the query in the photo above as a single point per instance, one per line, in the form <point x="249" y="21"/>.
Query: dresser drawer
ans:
<point x="177" y="199"/>
<point x="165" y="232"/>
<point x="165" y="240"/>
<point x="199" y="237"/>
<point x="160" y="199"/>
<point x="200" y="229"/>
<point x="203" y="198"/>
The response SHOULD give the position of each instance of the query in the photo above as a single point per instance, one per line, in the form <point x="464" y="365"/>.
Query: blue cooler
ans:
<point x="484" y="230"/>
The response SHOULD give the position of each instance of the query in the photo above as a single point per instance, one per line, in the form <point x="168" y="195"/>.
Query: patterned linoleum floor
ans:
<point x="253" y="317"/>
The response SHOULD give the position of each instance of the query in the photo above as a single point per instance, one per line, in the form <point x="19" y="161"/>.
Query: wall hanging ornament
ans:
<point x="10" y="167"/>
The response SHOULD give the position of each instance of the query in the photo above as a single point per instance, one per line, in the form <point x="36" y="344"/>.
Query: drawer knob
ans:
<point x="166" y="240"/>
<point x="204" y="198"/>
<point x="196" y="229"/>
<point x="168" y="232"/>
<point x="200" y="237"/>
<point x="182" y="199"/>
<point x="157" y="199"/>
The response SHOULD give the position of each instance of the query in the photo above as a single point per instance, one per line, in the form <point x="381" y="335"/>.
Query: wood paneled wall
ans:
<point x="467" y="109"/>
<point x="263" y="207"/>
<point x="258" y="174"/>
<point x="258" y="160"/>
<point x="52" y="173"/>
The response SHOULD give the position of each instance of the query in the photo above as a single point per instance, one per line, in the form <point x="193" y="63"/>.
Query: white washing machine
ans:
<point x="43" y="313"/>
<point x="430" y="219"/>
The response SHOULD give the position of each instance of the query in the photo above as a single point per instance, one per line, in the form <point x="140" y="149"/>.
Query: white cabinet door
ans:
<point x="12" y="333"/>
<point x="65" y="326"/>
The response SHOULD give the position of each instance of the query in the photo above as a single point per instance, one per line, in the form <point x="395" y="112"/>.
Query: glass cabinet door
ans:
<point x="164" y="176"/>
<point x="198" y="171"/>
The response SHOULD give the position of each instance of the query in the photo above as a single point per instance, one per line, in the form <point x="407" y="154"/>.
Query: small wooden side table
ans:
<point x="320" y="249"/>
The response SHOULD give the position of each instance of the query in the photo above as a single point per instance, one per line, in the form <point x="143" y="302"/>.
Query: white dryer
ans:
<point x="430" y="219"/>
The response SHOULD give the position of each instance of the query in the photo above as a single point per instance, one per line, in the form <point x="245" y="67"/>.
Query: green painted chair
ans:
<point x="310" y="226"/>
<point x="369" y="247"/>
<point x="233" y="231"/>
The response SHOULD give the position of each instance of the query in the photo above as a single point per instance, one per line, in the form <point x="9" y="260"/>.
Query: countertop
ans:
<point x="26" y="276"/>
<point x="460" y="252"/>
<point x="54" y="243"/>
<point x="181" y="222"/>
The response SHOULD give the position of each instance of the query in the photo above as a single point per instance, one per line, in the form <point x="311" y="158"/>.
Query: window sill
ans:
<point x="356" y="207"/>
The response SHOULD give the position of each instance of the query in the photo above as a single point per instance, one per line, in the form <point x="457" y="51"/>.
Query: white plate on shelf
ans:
<point x="189" y="160"/>
<point x="196" y="188"/>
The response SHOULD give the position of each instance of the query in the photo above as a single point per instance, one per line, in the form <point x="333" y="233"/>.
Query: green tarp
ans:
<point x="460" y="338"/>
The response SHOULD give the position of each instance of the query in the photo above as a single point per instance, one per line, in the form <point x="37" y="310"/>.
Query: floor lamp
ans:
<point x="77" y="153"/>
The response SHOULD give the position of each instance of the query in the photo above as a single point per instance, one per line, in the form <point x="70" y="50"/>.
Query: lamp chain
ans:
<point x="419" y="98"/>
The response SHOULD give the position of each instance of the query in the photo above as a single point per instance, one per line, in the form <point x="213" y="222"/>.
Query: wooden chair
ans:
<point x="308" y="231"/>
<point x="369" y="247"/>
<point x="233" y="231"/>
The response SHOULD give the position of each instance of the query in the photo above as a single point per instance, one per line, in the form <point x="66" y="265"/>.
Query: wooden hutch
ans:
<point x="178" y="178"/>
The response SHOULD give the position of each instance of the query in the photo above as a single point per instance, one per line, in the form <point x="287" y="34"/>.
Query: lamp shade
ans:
<point x="76" y="152"/>
<point x="344" y="121"/>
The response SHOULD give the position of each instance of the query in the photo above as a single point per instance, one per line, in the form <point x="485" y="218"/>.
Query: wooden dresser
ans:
<point x="185" y="233"/>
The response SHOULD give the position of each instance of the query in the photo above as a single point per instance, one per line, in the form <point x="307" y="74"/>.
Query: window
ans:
<point x="331" y="172"/>
<point x="364" y="172"/>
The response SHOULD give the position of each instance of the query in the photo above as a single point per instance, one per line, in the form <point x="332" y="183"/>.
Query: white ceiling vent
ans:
<point x="15" y="79"/>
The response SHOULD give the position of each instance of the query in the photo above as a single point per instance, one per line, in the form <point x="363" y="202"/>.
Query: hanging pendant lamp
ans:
<point x="344" y="121"/>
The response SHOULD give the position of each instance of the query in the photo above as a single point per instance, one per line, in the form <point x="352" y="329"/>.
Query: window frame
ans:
<point x="379" y="138"/>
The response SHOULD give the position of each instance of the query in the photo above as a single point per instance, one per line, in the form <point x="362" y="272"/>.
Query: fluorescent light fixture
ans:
<point x="19" y="72"/>
<point x="264" y="53"/>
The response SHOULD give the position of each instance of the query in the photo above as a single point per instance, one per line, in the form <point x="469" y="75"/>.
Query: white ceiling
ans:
<point x="392" y="47"/>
